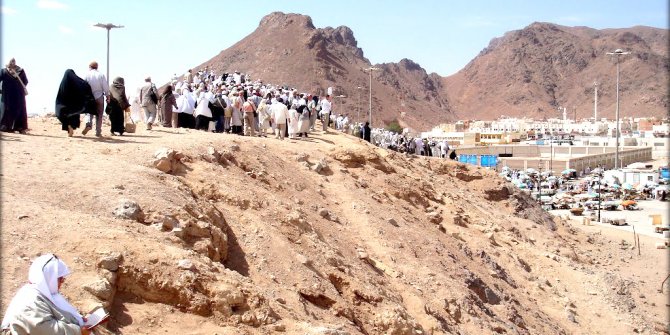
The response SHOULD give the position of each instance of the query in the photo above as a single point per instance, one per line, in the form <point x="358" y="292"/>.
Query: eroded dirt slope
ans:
<point x="322" y="236"/>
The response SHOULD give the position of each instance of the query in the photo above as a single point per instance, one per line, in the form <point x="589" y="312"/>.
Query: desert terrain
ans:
<point x="328" y="235"/>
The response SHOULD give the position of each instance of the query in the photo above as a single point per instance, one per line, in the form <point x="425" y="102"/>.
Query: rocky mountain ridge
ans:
<point x="528" y="72"/>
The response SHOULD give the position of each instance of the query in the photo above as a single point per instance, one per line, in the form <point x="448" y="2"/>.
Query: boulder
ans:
<point x="301" y="157"/>
<point x="100" y="288"/>
<point x="129" y="209"/>
<point x="169" y="222"/>
<point x="186" y="264"/>
<point x="110" y="262"/>
<point x="320" y="166"/>
<point x="162" y="164"/>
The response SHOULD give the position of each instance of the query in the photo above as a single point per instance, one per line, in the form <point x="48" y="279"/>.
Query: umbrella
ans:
<point x="551" y="178"/>
<point x="531" y="171"/>
<point x="562" y="195"/>
<point x="627" y="186"/>
<point x="661" y="188"/>
<point x="568" y="171"/>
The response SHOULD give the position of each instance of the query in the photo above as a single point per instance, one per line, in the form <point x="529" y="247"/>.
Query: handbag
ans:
<point x="130" y="127"/>
<point x="25" y="90"/>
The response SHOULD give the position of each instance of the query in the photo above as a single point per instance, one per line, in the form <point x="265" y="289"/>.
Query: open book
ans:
<point x="97" y="316"/>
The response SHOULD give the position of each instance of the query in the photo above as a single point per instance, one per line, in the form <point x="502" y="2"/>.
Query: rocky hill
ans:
<point x="534" y="71"/>
<point x="286" y="49"/>
<point x="187" y="232"/>
<point x="528" y="72"/>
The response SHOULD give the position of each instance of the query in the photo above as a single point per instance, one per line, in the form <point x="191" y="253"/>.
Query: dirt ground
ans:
<point x="328" y="235"/>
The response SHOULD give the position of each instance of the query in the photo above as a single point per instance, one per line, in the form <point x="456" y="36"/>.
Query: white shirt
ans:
<point x="279" y="112"/>
<point x="98" y="83"/>
<point x="325" y="106"/>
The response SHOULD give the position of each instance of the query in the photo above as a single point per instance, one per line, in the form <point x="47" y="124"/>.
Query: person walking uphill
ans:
<point x="100" y="90"/>
<point x="326" y="106"/>
<point x="38" y="307"/>
<point x="74" y="98"/>
<point x="167" y="103"/>
<point x="117" y="106"/>
<point x="148" y="100"/>
<point x="14" y="116"/>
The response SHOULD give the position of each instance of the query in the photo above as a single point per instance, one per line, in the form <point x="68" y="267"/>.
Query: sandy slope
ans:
<point x="277" y="246"/>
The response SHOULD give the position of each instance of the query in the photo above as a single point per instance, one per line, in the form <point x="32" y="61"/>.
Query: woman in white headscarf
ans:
<point x="293" y="121"/>
<point x="38" y="307"/>
<point x="202" y="112"/>
<point x="185" y="108"/>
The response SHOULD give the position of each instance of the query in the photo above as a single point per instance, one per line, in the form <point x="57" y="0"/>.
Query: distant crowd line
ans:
<point x="225" y="103"/>
<point x="204" y="100"/>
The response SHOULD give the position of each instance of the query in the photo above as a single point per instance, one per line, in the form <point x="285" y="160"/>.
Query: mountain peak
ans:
<point x="281" y="20"/>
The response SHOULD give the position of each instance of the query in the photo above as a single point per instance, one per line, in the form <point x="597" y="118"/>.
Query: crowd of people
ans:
<point x="226" y="103"/>
<point x="221" y="103"/>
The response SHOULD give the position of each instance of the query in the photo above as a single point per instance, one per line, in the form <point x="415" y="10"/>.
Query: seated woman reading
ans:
<point x="38" y="308"/>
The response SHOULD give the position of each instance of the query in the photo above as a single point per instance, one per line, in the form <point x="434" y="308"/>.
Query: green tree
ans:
<point x="394" y="126"/>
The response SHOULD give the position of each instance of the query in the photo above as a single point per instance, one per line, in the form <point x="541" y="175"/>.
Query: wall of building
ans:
<point x="660" y="146"/>
<point x="565" y="157"/>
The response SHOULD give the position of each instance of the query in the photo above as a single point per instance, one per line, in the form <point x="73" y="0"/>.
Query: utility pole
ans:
<point x="617" y="53"/>
<point x="595" y="105"/>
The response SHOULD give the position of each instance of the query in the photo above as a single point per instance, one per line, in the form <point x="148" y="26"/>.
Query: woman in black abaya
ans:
<point x="74" y="98"/>
<point x="13" y="81"/>
<point x="117" y="105"/>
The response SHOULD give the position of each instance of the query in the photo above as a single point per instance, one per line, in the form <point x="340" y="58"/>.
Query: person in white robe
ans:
<point x="185" y="108"/>
<point x="263" y="117"/>
<point x="293" y="122"/>
<point x="279" y="117"/>
<point x="202" y="112"/>
<point x="38" y="307"/>
<point x="419" y="145"/>
<point x="236" y="119"/>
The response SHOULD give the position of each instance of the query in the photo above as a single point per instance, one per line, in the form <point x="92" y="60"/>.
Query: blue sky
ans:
<point x="161" y="38"/>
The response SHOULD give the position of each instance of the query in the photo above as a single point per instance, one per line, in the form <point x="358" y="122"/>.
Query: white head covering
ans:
<point x="43" y="277"/>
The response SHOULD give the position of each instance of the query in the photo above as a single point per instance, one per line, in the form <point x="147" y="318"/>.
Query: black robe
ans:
<point x="14" y="113"/>
<point x="117" y="106"/>
<point x="366" y="133"/>
<point x="74" y="97"/>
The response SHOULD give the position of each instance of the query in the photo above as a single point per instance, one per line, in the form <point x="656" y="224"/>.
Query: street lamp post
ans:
<point x="370" y="69"/>
<point x="617" y="53"/>
<point x="359" y="89"/>
<point x="600" y="187"/>
<point x="109" y="27"/>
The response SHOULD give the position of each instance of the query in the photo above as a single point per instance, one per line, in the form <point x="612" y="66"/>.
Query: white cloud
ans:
<point x="8" y="11"/>
<point x="50" y="4"/>
<point x="65" y="30"/>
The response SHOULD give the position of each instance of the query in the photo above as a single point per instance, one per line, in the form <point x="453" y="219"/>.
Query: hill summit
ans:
<point x="287" y="50"/>
<point x="534" y="71"/>
<point x="528" y="72"/>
